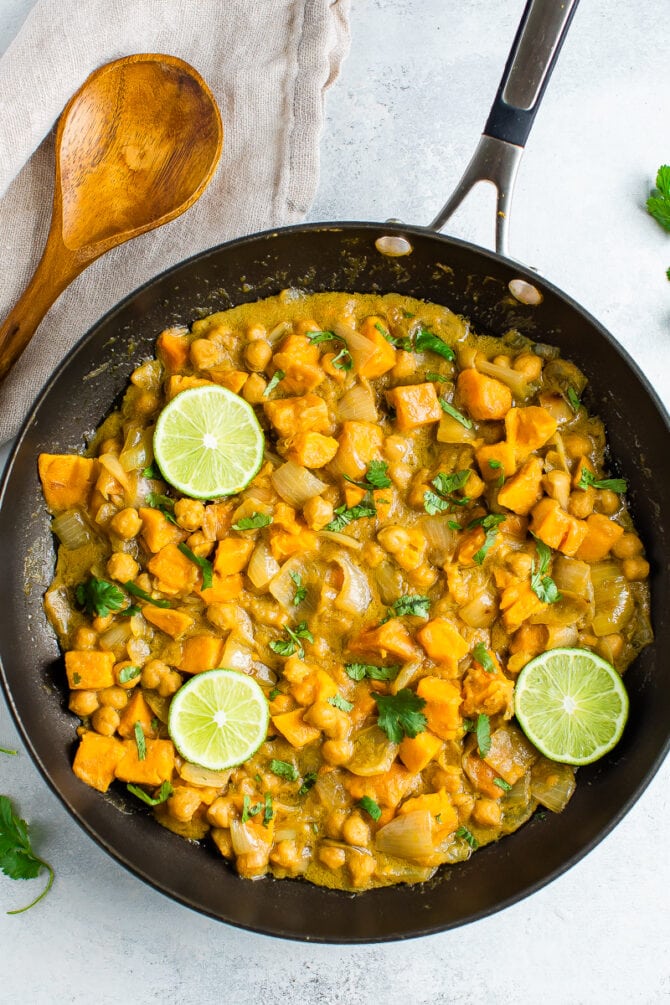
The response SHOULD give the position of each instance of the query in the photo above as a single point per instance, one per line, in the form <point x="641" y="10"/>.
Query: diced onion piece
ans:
<point x="559" y="636"/>
<point x="136" y="448"/>
<point x="148" y="375"/>
<point x="194" y="774"/>
<point x="138" y="650"/>
<point x="111" y="463"/>
<point x="407" y="836"/>
<point x="278" y="332"/>
<point x="71" y="529"/>
<point x="330" y="790"/>
<point x="286" y="834"/>
<point x="115" y="636"/>
<point x="355" y="595"/>
<point x="519" y="795"/>
<point x="283" y="586"/>
<point x="440" y="536"/>
<point x="237" y="655"/>
<point x="159" y="705"/>
<point x="373" y="753"/>
<point x="262" y="566"/>
<point x="245" y="839"/>
<point x="343" y="539"/>
<point x="58" y="609"/>
<point x="358" y="405"/>
<point x="572" y="577"/>
<point x="390" y="582"/>
<point x="296" y="484"/>
<point x="613" y="600"/>
<point x="510" y="754"/>
<point x="406" y="675"/>
<point x="482" y="610"/>
<point x="552" y="784"/>
<point x="450" y="430"/>
<point x="361" y="349"/>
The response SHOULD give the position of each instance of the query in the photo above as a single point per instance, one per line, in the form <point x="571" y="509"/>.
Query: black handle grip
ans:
<point x="538" y="42"/>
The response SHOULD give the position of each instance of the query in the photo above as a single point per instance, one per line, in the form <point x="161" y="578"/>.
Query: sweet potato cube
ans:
<point x="442" y="708"/>
<point x="172" y="349"/>
<point x="517" y="603"/>
<point x="232" y="555"/>
<point x="496" y="459"/>
<point x="557" y="528"/>
<point x="442" y="811"/>
<point x="157" y="531"/>
<point x="89" y="669"/>
<point x="293" y="728"/>
<point x="223" y="588"/>
<point x="416" y="752"/>
<point x="312" y="450"/>
<point x="488" y="693"/>
<point x="387" y="640"/>
<point x="442" y="641"/>
<point x="182" y="382"/>
<point x="156" y="767"/>
<point x="96" y="760"/>
<point x="384" y="356"/>
<point x="172" y="622"/>
<point x="298" y="415"/>
<point x="523" y="490"/>
<point x="601" y="536"/>
<point x="67" y="480"/>
<point x="528" y="429"/>
<point x="483" y="397"/>
<point x="201" y="652"/>
<point x="174" y="571"/>
<point x="233" y="380"/>
<point x="415" y="405"/>
<point x="136" y="710"/>
<point x="359" y="443"/>
<point x="298" y="358"/>
<point x="386" y="789"/>
<point x="583" y="464"/>
<point x="283" y="544"/>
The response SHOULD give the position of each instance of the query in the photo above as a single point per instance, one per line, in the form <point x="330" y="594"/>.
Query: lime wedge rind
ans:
<point x="571" y="704"/>
<point x="218" y="745"/>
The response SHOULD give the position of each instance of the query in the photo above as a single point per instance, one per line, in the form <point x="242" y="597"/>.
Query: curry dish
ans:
<point x="433" y="510"/>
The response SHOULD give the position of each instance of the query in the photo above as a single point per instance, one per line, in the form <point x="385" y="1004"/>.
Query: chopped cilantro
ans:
<point x="573" y="399"/>
<point x="300" y="590"/>
<point x="400" y="714"/>
<point x="502" y="784"/>
<point x="277" y="376"/>
<point x="337" y="701"/>
<point x="587" y="478"/>
<point x="283" y="770"/>
<point x="483" y="733"/>
<point x="98" y="597"/>
<point x="317" y="337"/>
<point x="253" y="522"/>
<point x="542" y="585"/>
<point x="410" y="604"/>
<point x="163" y="504"/>
<point x="357" y="671"/>
<point x="370" y="807"/>
<point x="455" y="414"/>
<point x="481" y="654"/>
<point x="291" y="645"/>
<point x="426" y="341"/>
<point x="143" y="595"/>
<point x="468" y="836"/>
<point x="164" y="793"/>
<point x="437" y="377"/>
<point x="203" y="564"/>
<point x="268" y="812"/>
<point x="140" y="741"/>
<point x="307" y="783"/>
<point x="344" y="516"/>
<point x="343" y="360"/>
<point x="129" y="673"/>
<point x="274" y="693"/>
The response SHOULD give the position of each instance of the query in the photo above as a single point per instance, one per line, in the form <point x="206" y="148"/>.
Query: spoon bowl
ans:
<point x="136" y="146"/>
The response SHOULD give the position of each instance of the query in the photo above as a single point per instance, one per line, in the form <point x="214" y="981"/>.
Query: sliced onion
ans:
<point x="159" y="705"/>
<point x="237" y="655"/>
<point x="482" y="610"/>
<point x="111" y="463"/>
<point x="358" y="404"/>
<point x="283" y="586"/>
<point x="263" y="567"/>
<point x="373" y="753"/>
<point x="136" y="451"/>
<point x="296" y="484"/>
<point x="406" y="675"/>
<point x="246" y="839"/>
<point x="59" y="610"/>
<point x="552" y="784"/>
<point x="355" y="595"/>
<point x="278" y="332"/>
<point x="330" y="790"/>
<point x="360" y="348"/>
<point x="407" y="836"/>
<point x="613" y="600"/>
<point x="115" y="636"/>
<point x="138" y="650"/>
<point x="194" y="774"/>
<point x="440" y="536"/>
<point x="390" y="582"/>
<point x="343" y="539"/>
<point x="71" y="529"/>
<point x="510" y="754"/>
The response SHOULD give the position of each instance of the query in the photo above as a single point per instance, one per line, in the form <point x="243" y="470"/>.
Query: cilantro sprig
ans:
<point x="587" y="478"/>
<point x="282" y="769"/>
<point x="137" y="591"/>
<point x="291" y="645"/>
<point x="491" y="524"/>
<point x="375" y="477"/>
<point x="468" y="836"/>
<point x="277" y="377"/>
<point x="337" y="701"/>
<point x="253" y="522"/>
<point x="658" y="203"/>
<point x="426" y="341"/>
<point x="370" y="806"/>
<point x="400" y="714"/>
<point x="446" y="485"/>
<point x="541" y="584"/>
<point x="358" y="671"/>
<point x="300" y="590"/>
<point x="344" y="516"/>
<point x="203" y="564"/>
<point x="99" y="598"/>
<point x="17" y="858"/>
<point x="413" y="604"/>
<point x="481" y="654"/>
<point x="164" y="793"/>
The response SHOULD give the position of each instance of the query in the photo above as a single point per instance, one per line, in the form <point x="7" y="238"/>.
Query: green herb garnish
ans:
<point x="483" y="733"/>
<point x="490" y="523"/>
<point x="307" y="783"/>
<point x="468" y="836"/>
<point x="163" y="504"/>
<point x="658" y="203"/>
<point x="455" y="414"/>
<point x="164" y="793"/>
<point x="357" y="671"/>
<point x="99" y="598"/>
<point x="152" y="471"/>
<point x="481" y="654"/>
<point x="400" y="714"/>
<point x="129" y="673"/>
<point x="268" y="812"/>
<point x="274" y="693"/>
<point x="291" y="645"/>
<point x="337" y="701"/>
<point x="370" y="806"/>
<point x="316" y="337"/>
<point x="143" y="595"/>
<point x="140" y="741"/>
<point x="17" y="858"/>
<point x="587" y="478"/>
<point x="502" y="784"/>
<point x="203" y="564"/>
<point x="542" y="585"/>
<point x="343" y="516"/>
<point x="410" y="604"/>
<point x="573" y="399"/>
<point x="9" y="751"/>
<point x="282" y="769"/>
<point x="277" y="376"/>
<point x="343" y="360"/>
<point x="427" y="341"/>
<point x="253" y="522"/>
<point x="300" y="590"/>
<point x="437" y="377"/>
<point x="375" y="477"/>
<point x="248" y="810"/>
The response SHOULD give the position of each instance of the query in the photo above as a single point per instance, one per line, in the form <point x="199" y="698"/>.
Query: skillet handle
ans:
<point x="534" y="52"/>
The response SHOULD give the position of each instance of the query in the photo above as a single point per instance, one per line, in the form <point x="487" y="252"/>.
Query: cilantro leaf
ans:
<point x="277" y="376"/>
<point x="400" y="714"/>
<point x="9" y="751"/>
<point x="253" y="522"/>
<point x="502" y="784"/>
<point x="307" y="783"/>
<point x="337" y="701"/>
<point x="433" y="504"/>
<point x="573" y="399"/>
<point x="490" y="523"/>
<point x="274" y="693"/>
<point x="455" y="414"/>
<point x="152" y="471"/>
<point x="291" y="645"/>
<point x="357" y="671"/>
<point x="282" y="769"/>
<point x="344" y="516"/>
<point x="426" y="341"/>
<point x="658" y="203"/>
<point x="268" y="811"/>
<point x="494" y="465"/>
<point x="203" y="564"/>
<point x="481" y="654"/>
<point x="140" y="742"/>
<point x="17" y="858"/>
<point x="587" y="478"/>
<point x="542" y="585"/>
<point x="163" y="503"/>
<point x="343" y="360"/>
<point x="468" y="836"/>
<point x="316" y="337"/>
<point x="370" y="806"/>
<point x="164" y="793"/>
<point x="248" y="810"/>
<point x="410" y="604"/>
<point x="437" y="377"/>
<point x="98" y="597"/>
<point x="129" y="673"/>
<point x="377" y="476"/>
<point x="483" y="734"/>
<point x="300" y="590"/>
<point x="143" y="595"/>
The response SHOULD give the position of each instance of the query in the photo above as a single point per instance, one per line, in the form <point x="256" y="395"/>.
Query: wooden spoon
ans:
<point x="136" y="146"/>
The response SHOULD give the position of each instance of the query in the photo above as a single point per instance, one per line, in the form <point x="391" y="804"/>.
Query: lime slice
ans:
<point x="571" y="704"/>
<point x="208" y="442"/>
<point x="218" y="719"/>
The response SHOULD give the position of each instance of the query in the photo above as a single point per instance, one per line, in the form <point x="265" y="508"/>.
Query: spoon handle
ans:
<point x="57" y="267"/>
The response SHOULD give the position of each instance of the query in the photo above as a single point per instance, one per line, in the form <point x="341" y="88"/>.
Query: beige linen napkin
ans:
<point x="268" y="63"/>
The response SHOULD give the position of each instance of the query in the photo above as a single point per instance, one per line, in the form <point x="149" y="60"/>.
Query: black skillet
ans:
<point x="345" y="257"/>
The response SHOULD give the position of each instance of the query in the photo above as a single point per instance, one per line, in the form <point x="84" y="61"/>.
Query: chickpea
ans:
<point x="223" y="841"/>
<point x="169" y="683"/>
<point x="580" y="503"/>
<point x="286" y="855"/>
<point x="113" y="697"/>
<point x="356" y="831"/>
<point x="372" y="555"/>
<point x="337" y="752"/>
<point x="334" y="822"/>
<point x="222" y="616"/>
<point x="577" y="445"/>
<point x="118" y="670"/>
<point x="487" y="812"/>
<point x="205" y="354"/>
<point x="607" y="502"/>
<point x="332" y="858"/>
<point x="610" y="647"/>
<point x="253" y="391"/>
<point x="122" y="567"/>
<point x="253" y="863"/>
<point x="258" y="354"/>
<point x="393" y="539"/>
<point x="317" y="512"/>
<point x="189" y="514"/>
<point x="502" y="360"/>
<point x="395" y="448"/>
<point x="520" y="563"/>
<point x="556" y="484"/>
<point x="85" y="638"/>
<point x="153" y="672"/>
<point x="529" y="365"/>
<point x="200" y="544"/>
<point x="361" y="866"/>
<point x="183" y="803"/>
<point x="333" y="721"/>
<point x="126" y="523"/>
<point x="635" y="568"/>
<point x="400" y="474"/>
<point x="474" y="487"/>
<point x="405" y="365"/>
<point x="628" y="546"/>
<point x="83" y="703"/>
<point x="423" y="577"/>
<point x="105" y="721"/>
<point x="146" y="403"/>
<point x="101" y="624"/>
<point x="255" y="332"/>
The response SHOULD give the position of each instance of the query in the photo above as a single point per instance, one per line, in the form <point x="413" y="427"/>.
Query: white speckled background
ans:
<point x="402" y="122"/>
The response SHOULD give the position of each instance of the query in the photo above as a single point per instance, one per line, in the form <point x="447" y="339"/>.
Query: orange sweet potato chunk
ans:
<point x="156" y="767"/>
<point x="501" y="455"/>
<point x="232" y="555"/>
<point x="96" y="760"/>
<point x="415" y="405"/>
<point x="387" y="789"/>
<point x="601" y="536"/>
<point x="174" y="623"/>
<point x="359" y="443"/>
<point x="172" y="349"/>
<point x="298" y="359"/>
<point x="298" y="415"/>
<point x="389" y="639"/>
<point x="89" y="669"/>
<point x="293" y="728"/>
<point x="442" y="641"/>
<point x="442" y="708"/>
<point x="201" y="652"/>
<point x="312" y="450"/>
<point x="417" y="752"/>
<point x="136" y="710"/>
<point x="557" y="528"/>
<point x="524" y="489"/>
<point x="384" y="356"/>
<point x="67" y="480"/>
<point x="528" y="429"/>
<point x="157" y="531"/>
<point x="223" y="588"/>
<point x="483" y="397"/>
<point x="174" y="571"/>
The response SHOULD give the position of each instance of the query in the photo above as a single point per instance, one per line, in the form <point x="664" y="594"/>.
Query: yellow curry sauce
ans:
<point x="421" y="527"/>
